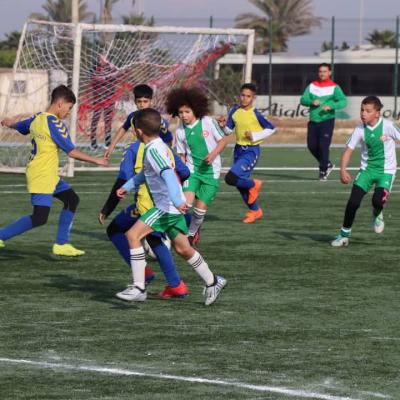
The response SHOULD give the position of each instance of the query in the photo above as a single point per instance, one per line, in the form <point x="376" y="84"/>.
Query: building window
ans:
<point x="19" y="87"/>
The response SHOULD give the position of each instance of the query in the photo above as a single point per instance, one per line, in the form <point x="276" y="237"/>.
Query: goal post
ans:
<point x="102" y="64"/>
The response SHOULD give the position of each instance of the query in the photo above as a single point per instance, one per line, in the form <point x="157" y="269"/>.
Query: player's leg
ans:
<point x="41" y="209"/>
<point x="93" y="128"/>
<point x="324" y="142"/>
<point x="312" y="139"/>
<point x="381" y="194"/>
<point x="175" y="286"/>
<point x="356" y="196"/>
<point x="108" y="118"/>
<point x="214" y="283"/>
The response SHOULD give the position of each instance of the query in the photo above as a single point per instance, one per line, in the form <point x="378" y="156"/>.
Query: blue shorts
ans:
<point x="128" y="217"/>
<point x="244" y="160"/>
<point x="45" y="199"/>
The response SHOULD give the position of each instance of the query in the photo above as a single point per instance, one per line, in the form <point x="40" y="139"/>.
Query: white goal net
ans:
<point x="102" y="64"/>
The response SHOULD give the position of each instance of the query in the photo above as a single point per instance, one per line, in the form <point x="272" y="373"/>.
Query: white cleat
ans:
<point x="212" y="292"/>
<point x="379" y="223"/>
<point x="340" y="241"/>
<point x="330" y="169"/>
<point x="132" y="293"/>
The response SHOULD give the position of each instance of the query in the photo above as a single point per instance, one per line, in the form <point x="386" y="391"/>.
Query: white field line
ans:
<point x="125" y="372"/>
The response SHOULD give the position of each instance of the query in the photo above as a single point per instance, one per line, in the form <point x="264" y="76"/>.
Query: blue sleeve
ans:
<point x="129" y="121"/>
<point x="173" y="186"/>
<point x="60" y="135"/>
<point x="134" y="183"/>
<point x="229" y="122"/>
<point x="24" y="125"/>
<point x="127" y="166"/>
<point x="165" y="133"/>
<point x="181" y="169"/>
<point x="265" y="124"/>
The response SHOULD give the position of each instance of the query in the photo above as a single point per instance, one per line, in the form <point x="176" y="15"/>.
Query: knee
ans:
<point x="73" y="201"/>
<point x="113" y="228"/>
<point x="379" y="198"/>
<point x="40" y="216"/>
<point x="231" y="179"/>
<point x="153" y="241"/>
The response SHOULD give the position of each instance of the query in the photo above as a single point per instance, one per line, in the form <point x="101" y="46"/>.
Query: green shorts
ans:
<point x="204" y="188"/>
<point x="365" y="179"/>
<point x="161" y="221"/>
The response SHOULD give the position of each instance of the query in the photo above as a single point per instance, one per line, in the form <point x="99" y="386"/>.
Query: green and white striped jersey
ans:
<point x="196" y="142"/>
<point x="378" y="147"/>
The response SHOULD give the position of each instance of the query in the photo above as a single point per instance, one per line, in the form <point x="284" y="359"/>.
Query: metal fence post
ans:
<point x="270" y="65"/>
<point x="396" y="68"/>
<point x="333" y="47"/>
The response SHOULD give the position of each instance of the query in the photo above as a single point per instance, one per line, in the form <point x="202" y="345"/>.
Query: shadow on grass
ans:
<point x="92" y="235"/>
<point x="8" y="254"/>
<point x="295" y="235"/>
<point x="290" y="176"/>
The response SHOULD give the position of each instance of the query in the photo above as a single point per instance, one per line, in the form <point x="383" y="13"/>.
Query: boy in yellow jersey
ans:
<point x="251" y="128"/>
<point x="49" y="134"/>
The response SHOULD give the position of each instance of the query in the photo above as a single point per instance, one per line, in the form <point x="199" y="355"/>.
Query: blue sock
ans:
<point x="167" y="265"/>
<point x="120" y="242"/>
<point x="188" y="218"/>
<point x="245" y="197"/>
<point x="16" y="228"/>
<point x="243" y="183"/>
<point x="64" y="226"/>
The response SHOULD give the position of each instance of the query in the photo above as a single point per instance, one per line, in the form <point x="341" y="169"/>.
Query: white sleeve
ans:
<point x="158" y="159"/>
<point x="355" y="138"/>
<point x="256" y="136"/>
<point x="180" y="141"/>
<point x="217" y="132"/>
<point x="394" y="131"/>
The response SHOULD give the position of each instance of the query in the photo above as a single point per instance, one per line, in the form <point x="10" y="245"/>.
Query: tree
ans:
<point x="8" y="49"/>
<point x="384" y="38"/>
<point x="289" y="18"/>
<point x="60" y="11"/>
<point x="326" y="46"/>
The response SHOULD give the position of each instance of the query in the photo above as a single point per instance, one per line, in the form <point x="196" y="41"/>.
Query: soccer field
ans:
<point x="298" y="320"/>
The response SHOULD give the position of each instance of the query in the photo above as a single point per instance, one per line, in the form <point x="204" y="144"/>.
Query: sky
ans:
<point x="13" y="13"/>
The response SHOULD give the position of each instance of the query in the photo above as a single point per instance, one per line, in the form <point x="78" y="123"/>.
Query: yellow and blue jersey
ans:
<point x="48" y="134"/>
<point x="132" y="164"/>
<point x="165" y="134"/>
<point x="242" y="120"/>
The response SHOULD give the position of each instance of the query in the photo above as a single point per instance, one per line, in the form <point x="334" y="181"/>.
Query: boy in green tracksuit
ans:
<point x="323" y="96"/>
<point x="378" y="166"/>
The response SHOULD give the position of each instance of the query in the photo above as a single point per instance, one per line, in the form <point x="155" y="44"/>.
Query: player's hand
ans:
<point x="345" y="177"/>
<point x="326" y="108"/>
<point x="248" y="135"/>
<point x="102" y="218"/>
<point x="8" y="122"/>
<point x="108" y="152"/>
<point x="316" y="103"/>
<point x="210" y="158"/>
<point x="121" y="192"/>
<point x="182" y="208"/>
<point x="221" y="121"/>
<point x="102" y="162"/>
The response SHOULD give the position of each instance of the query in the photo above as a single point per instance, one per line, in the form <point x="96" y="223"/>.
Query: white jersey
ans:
<point x="378" y="147"/>
<point x="157" y="158"/>
<point x="196" y="142"/>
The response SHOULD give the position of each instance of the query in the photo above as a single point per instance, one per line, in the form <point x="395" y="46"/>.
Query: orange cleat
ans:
<point x="180" y="291"/>
<point x="253" y="216"/>
<point x="254" y="191"/>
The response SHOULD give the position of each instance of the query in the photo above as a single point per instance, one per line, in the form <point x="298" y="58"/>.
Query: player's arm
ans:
<point x="181" y="143"/>
<point x="268" y="129"/>
<point x="305" y="99"/>
<point x="174" y="189"/>
<point x="116" y="138"/>
<point x="345" y="177"/>
<point x="82" y="156"/>
<point x="132" y="185"/>
<point x="230" y="123"/>
<point x="23" y="127"/>
<point x="181" y="169"/>
<point x="338" y="101"/>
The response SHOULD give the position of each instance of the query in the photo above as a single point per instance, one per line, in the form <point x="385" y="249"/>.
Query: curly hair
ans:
<point x="193" y="98"/>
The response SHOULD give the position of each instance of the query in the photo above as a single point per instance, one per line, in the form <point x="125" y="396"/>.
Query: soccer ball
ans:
<point x="149" y="252"/>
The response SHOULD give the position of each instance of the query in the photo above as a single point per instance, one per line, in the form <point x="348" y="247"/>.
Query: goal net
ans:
<point x="102" y="64"/>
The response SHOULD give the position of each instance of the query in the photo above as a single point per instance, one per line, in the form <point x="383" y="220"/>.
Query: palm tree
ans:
<point x="137" y="19"/>
<point x="60" y="11"/>
<point x="289" y="18"/>
<point x="382" y="38"/>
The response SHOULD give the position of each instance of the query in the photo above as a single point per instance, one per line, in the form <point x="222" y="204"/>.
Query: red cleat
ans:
<point x="253" y="216"/>
<point x="254" y="191"/>
<point x="149" y="274"/>
<point x="195" y="239"/>
<point x="180" y="291"/>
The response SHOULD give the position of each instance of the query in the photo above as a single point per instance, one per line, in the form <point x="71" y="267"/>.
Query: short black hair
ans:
<point x="249" y="86"/>
<point x="375" y="101"/>
<point x="143" y="91"/>
<point x="194" y="98"/>
<point x="63" y="92"/>
<point x="148" y="121"/>
<point x="325" y="65"/>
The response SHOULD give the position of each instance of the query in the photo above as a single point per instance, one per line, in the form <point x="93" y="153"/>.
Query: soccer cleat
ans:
<point x="253" y="216"/>
<point x="254" y="191"/>
<point x="132" y="293"/>
<point x="180" y="291"/>
<point x="323" y="176"/>
<point x="379" y="223"/>
<point x="93" y="144"/>
<point x="2" y="244"/>
<point x="340" y="241"/>
<point x="149" y="274"/>
<point x="330" y="169"/>
<point x="213" y="291"/>
<point x="66" y="250"/>
<point x="194" y="239"/>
